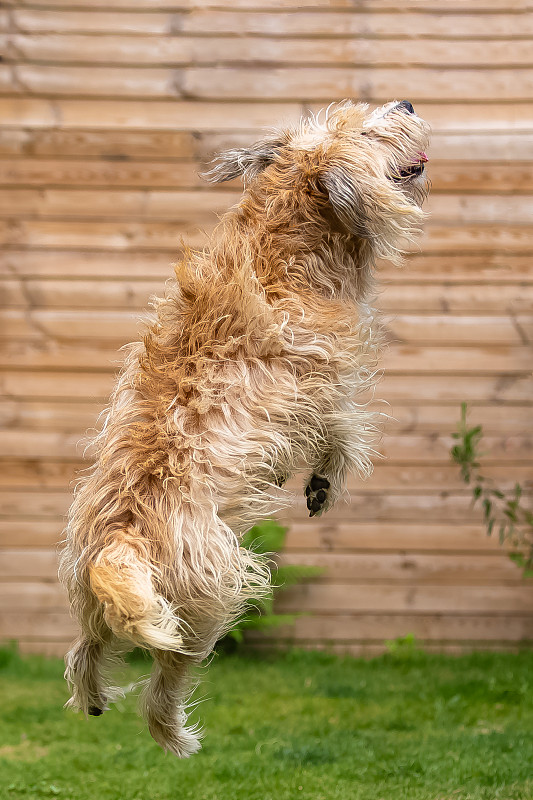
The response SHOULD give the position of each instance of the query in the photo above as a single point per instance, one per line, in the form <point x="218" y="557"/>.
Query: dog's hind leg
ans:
<point x="84" y="676"/>
<point x="85" y="672"/>
<point x="163" y="703"/>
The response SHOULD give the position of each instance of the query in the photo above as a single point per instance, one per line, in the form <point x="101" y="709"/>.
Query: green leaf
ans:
<point x="290" y="574"/>
<point x="267" y="536"/>
<point x="501" y="532"/>
<point x="271" y="621"/>
<point x="518" y="558"/>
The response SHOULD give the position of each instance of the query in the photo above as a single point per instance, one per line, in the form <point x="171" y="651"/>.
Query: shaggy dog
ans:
<point x="248" y="372"/>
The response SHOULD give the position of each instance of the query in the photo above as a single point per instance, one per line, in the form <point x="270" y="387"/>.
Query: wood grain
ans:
<point x="109" y="114"/>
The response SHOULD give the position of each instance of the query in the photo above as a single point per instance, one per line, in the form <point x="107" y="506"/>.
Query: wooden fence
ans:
<point x="108" y="113"/>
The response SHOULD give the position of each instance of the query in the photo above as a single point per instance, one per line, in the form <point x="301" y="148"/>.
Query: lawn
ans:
<point x="405" y="726"/>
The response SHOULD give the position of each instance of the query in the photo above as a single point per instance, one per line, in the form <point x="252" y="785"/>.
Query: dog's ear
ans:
<point x="247" y="161"/>
<point x="371" y="207"/>
<point x="347" y="200"/>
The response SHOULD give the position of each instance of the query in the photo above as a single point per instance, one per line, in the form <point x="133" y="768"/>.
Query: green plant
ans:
<point x="502" y="512"/>
<point x="404" y="646"/>
<point x="265" y="538"/>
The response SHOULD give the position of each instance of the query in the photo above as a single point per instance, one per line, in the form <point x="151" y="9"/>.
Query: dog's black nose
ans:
<point x="407" y="105"/>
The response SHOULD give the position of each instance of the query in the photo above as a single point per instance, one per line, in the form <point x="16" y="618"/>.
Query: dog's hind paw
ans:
<point x="317" y="492"/>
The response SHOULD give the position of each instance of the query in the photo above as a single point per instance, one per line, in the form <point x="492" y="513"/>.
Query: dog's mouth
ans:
<point x="411" y="171"/>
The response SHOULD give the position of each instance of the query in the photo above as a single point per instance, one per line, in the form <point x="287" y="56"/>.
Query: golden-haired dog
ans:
<point x="249" y="371"/>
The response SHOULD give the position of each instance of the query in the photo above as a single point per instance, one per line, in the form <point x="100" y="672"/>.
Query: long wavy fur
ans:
<point x="250" y="369"/>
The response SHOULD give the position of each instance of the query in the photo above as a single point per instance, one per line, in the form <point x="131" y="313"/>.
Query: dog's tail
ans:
<point x="122" y="579"/>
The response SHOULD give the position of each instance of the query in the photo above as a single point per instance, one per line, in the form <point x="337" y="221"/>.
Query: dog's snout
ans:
<point x="407" y="106"/>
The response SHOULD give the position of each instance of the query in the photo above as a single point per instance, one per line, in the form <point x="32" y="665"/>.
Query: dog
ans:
<point x="249" y="371"/>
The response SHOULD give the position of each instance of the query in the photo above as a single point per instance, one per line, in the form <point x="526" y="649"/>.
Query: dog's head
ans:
<point x="364" y="170"/>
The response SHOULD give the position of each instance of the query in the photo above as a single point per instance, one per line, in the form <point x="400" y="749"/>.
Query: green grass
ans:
<point x="406" y="726"/>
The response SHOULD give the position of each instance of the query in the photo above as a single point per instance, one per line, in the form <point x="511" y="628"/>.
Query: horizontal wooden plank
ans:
<point x="168" y="236"/>
<point x="318" y="84"/>
<point x="173" y="51"/>
<point x="41" y="353"/>
<point x="422" y="535"/>
<point x="190" y="207"/>
<point x="407" y="417"/>
<point x="319" y="535"/>
<point x="460" y="209"/>
<point x="352" y="598"/>
<point x="209" y="21"/>
<point x="66" y="293"/>
<point x="405" y="449"/>
<point x="28" y="563"/>
<point x="29" y="20"/>
<point x="452" y="154"/>
<point x="177" y="115"/>
<point x="56" y="648"/>
<point x="29" y="532"/>
<point x="415" y="329"/>
<point x="361" y="568"/>
<point x="378" y="6"/>
<point x="402" y="507"/>
<point x="425" y="627"/>
<point x="51" y="503"/>
<point x="199" y="206"/>
<point x="170" y="115"/>
<point x="31" y="595"/>
<point x="76" y="386"/>
<point x="120" y="326"/>
<point x="458" y="329"/>
<point x="341" y="627"/>
<point x="440" y="507"/>
<point x="105" y="173"/>
<point x="435" y="390"/>
<point x="468" y="176"/>
<point x="103" y="234"/>
<point x="439" y="389"/>
<point x="411" y="417"/>
<point x="367" y="627"/>
<point x="46" y="473"/>
<point x="450" y="297"/>
<point x="171" y="173"/>
<point x="50" y="648"/>
<point x="93" y="264"/>
<point x="109" y="144"/>
<point x="444" y="296"/>
<point x="457" y="360"/>
<point x="473" y="238"/>
<point x="52" y="415"/>
<point x="49" y="626"/>
<point x="488" y="266"/>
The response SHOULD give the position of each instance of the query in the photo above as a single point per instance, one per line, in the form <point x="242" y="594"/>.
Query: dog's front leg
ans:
<point x="326" y="482"/>
<point x="348" y="448"/>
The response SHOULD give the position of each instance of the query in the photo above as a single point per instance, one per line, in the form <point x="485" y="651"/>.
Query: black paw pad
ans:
<point x="317" y="483"/>
<point x="94" y="711"/>
<point x="316" y="492"/>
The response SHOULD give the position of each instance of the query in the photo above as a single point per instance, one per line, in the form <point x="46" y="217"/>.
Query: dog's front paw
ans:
<point x="317" y="493"/>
